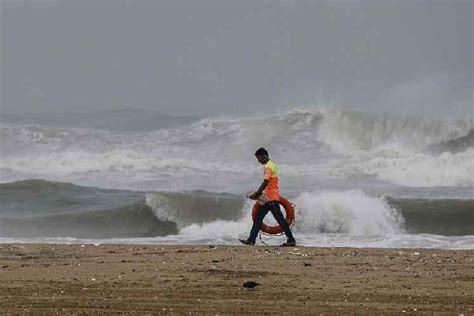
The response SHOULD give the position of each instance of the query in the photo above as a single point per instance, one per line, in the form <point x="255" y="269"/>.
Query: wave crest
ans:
<point x="194" y="207"/>
<point x="348" y="131"/>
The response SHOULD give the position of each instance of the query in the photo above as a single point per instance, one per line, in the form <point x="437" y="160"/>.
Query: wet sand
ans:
<point x="130" y="279"/>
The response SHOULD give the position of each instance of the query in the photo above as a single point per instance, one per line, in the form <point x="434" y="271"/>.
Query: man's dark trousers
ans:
<point x="274" y="207"/>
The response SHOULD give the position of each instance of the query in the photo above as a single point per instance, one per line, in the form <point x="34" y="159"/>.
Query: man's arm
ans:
<point x="260" y="190"/>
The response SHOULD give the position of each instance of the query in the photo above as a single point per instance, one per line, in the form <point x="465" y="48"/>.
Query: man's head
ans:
<point x="262" y="155"/>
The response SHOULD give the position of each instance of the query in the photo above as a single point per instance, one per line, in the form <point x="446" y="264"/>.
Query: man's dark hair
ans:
<point x="261" y="152"/>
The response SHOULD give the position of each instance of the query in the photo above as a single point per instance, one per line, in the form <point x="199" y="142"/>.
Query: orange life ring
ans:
<point x="290" y="216"/>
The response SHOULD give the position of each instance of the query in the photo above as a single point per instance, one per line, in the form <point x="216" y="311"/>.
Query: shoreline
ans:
<point x="163" y="279"/>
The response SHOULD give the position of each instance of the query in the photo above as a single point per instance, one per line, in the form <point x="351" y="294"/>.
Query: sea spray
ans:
<point x="349" y="131"/>
<point x="410" y="168"/>
<point x="349" y="212"/>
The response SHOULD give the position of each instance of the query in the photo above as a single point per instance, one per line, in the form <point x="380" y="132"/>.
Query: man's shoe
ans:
<point x="289" y="243"/>
<point x="247" y="242"/>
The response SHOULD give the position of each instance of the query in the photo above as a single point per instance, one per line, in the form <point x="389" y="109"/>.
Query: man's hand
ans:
<point x="254" y="196"/>
<point x="257" y="194"/>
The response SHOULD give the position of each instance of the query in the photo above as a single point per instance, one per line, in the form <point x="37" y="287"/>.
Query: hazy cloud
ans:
<point x="205" y="57"/>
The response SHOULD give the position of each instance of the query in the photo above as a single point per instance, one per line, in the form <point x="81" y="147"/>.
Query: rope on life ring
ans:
<point x="274" y="230"/>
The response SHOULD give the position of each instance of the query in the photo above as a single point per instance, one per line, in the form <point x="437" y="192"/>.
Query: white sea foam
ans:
<point x="316" y="240"/>
<point x="219" y="229"/>
<point x="323" y="219"/>
<point x="114" y="160"/>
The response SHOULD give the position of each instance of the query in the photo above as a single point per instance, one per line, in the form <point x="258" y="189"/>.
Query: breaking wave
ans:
<point x="412" y="169"/>
<point x="403" y="150"/>
<point x="38" y="208"/>
<point x="355" y="214"/>
<point x="350" y="212"/>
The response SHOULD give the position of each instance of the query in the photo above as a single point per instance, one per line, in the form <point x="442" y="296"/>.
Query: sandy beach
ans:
<point x="132" y="279"/>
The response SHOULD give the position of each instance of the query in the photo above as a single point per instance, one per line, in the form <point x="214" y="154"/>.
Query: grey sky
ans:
<point x="236" y="57"/>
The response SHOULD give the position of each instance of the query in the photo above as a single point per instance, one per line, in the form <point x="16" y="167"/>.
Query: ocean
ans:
<point x="357" y="179"/>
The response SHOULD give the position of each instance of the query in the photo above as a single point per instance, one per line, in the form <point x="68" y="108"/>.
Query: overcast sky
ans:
<point x="237" y="57"/>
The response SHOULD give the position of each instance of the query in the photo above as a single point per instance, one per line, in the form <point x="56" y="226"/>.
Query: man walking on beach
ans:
<point x="268" y="195"/>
